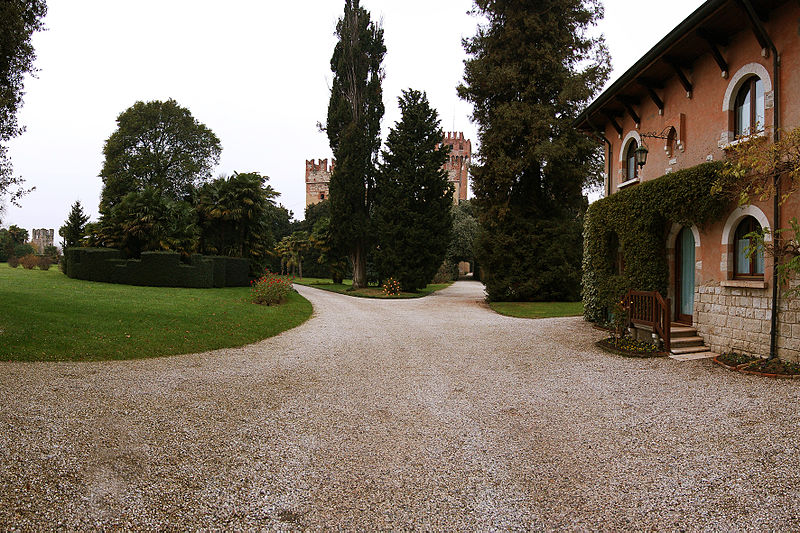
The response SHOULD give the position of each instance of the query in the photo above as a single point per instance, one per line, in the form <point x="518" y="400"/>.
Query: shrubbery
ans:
<point x="29" y="261"/>
<point x="271" y="288"/>
<point x="391" y="287"/>
<point x="13" y="261"/>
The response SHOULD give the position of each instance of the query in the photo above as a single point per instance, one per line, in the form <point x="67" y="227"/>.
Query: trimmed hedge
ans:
<point x="156" y="269"/>
<point x="635" y="222"/>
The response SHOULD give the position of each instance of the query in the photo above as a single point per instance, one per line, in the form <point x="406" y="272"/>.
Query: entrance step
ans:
<point x="689" y="349"/>
<point x="693" y="356"/>
<point x="684" y="340"/>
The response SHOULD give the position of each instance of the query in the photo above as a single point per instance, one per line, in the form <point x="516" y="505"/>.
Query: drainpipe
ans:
<point x="776" y="65"/>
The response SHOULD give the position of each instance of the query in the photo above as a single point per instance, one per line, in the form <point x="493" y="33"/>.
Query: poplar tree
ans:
<point x="532" y="68"/>
<point x="413" y="199"/>
<point x="353" y="126"/>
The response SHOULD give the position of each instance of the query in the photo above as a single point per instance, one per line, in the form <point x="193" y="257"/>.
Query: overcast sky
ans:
<point x="256" y="72"/>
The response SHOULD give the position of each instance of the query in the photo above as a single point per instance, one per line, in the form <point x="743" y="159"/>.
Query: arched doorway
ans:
<point x="684" y="276"/>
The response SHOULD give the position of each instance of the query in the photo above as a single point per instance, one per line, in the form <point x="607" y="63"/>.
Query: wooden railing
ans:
<point x="649" y="308"/>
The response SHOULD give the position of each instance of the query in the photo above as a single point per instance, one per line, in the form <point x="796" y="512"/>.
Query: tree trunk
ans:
<point x="359" y="260"/>
<point x="300" y="266"/>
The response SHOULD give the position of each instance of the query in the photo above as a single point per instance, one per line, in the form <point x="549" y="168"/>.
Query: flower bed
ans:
<point x="629" y="347"/>
<point x="758" y="366"/>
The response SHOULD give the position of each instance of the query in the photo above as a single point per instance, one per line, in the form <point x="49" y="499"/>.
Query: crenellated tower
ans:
<point x="318" y="179"/>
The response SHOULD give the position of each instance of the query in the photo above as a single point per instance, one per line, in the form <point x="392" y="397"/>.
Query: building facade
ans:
<point x="318" y="175"/>
<point x="726" y="73"/>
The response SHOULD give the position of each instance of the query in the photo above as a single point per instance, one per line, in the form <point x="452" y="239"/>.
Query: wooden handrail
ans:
<point x="649" y="308"/>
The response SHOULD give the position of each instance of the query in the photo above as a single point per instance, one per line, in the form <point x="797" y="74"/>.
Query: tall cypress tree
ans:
<point x="354" y="116"/>
<point x="412" y="197"/>
<point x="532" y="68"/>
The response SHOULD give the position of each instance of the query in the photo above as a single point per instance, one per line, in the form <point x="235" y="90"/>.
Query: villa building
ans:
<point x="729" y="71"/>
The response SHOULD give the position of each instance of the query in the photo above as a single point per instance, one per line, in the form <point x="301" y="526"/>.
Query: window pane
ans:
<point x="743" y="112"/>
<point x="758" y="124"/>
<point x="742" y="261"/>
<point x="758" y="260"/>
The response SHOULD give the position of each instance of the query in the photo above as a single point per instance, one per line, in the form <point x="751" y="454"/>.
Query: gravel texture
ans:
<point x="432" y="414"/>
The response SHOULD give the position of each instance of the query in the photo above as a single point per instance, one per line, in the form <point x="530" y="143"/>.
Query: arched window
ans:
<point x="749" y="108"/>
<point x="631" y="170"/>
<point x="747" y="265"/>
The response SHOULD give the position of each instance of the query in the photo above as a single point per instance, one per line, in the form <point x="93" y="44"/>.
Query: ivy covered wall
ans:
<point x="624" y="234"/>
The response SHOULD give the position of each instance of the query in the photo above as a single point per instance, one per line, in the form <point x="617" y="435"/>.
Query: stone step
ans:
<point x="683" y="342"/>
<point x="682" y="331"/>
<point x="688" y="350"/>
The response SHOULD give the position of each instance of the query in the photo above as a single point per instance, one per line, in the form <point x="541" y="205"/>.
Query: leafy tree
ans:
<point x="321" y="240"/>
<point x="159" y="145"/>
<point x="18" y="20"/>
<point x="291" y="250"/>
<point x="315" y="212"/>
<point x="412" y="197"/>
<point x="21" y="250"/>
<point x="465" y="231"/>
<point x="18" y="235"/>
<point x="532" y="67"/>
<point x="74" y="228"/>
<point x="234" y="217"/>
<point x="353" y="126"/>
<point x="149" y="221"/>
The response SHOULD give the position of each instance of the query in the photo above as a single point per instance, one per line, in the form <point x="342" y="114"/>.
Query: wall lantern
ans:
<point x="640" y="154"/>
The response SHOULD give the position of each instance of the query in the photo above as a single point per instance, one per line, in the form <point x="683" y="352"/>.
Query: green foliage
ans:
<point x="51" y="252"/>
<point x="18" y="235"/>
<point x="529" y="259"/>
<point x="271" y="289"/>
<point x="74" y="229"/>
<point x="157" y="145"/>
<point x="533" y="66"/>
<point x="155" y="269"/>
<point x="50" y="317"/>
<point x="465" y="231"/>
<point x="235" y="219"/>
<point x="321" y="240"/>
<point x="413" y="200"/>
<point x="21" y="250"/>
<point x="634" y="222"/>
<point x="19" y="19"/>
<point x="353" y="127"/>
<point x="148" y="220"/>
<point x="291" y="250"/>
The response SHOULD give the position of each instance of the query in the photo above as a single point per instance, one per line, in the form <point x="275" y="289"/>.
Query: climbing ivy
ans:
<point x="634" y="223"/>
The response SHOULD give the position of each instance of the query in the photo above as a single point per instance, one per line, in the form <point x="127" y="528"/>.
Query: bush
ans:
<point x="29" y="262"/>
<point x="391" y="287"/>
<point x="447" y="272"/>
<point x="21" y="250"/>
<point x="44" y="262"/>
<point x="271" y="289"/>
<point x="13" y="261"/>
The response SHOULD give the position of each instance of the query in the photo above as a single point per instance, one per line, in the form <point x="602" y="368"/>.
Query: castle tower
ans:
<point x="318" y="179"/>
<point x="318" y="175"/>
<point x="40" y="238"/>
<point x="457" y="166"/>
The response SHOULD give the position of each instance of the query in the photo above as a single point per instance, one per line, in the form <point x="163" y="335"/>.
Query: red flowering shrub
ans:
<point x="391" y="287"/>
<point x="270" y="288"/>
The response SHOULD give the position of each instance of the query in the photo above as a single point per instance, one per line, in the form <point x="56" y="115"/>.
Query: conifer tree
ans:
<point x="532" y="68"/>
<point x="354" y="115"/>
<point x="413" y="199"/>
<point x="74" y="228"/>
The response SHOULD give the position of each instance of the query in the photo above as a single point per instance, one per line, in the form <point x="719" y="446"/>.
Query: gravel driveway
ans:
<point x="433" y="413"/>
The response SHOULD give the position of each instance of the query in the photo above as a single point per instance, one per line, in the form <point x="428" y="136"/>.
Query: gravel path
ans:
<point x="428" y="414"/>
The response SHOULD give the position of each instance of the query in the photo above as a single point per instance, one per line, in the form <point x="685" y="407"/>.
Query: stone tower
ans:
<point x="318" y="175"/>
<point x="40" y="238"/>
<point x="457" y="166"/>
<point x="318" y="179"/>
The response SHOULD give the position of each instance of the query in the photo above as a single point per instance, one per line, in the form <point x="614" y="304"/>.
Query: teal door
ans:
<point x="684" y="276"/>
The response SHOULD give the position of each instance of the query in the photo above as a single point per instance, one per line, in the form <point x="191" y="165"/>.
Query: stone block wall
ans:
<point x="739" y="319"/>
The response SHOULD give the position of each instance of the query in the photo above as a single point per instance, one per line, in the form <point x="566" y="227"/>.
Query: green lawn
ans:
<point x="369" y="292"/>
<point x="47" y="316"/>
<point x="538" y="309"/>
